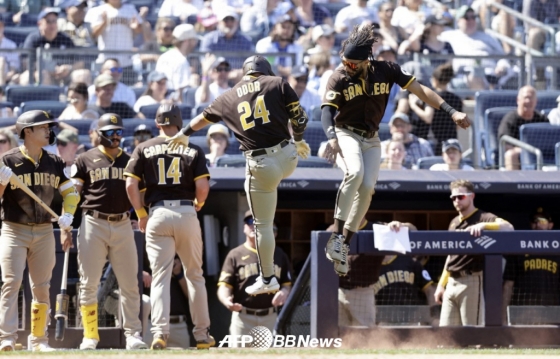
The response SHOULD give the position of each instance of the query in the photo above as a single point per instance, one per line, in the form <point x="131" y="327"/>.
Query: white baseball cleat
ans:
<point x="134" y="342"/>
<point x="42" y="347"/>
<point x="261" y="288"/>
<point x="341" y="268"/>
<point x="334" y="247"/>
<point x="88" y="344"/>
<point x="7" y="345"/>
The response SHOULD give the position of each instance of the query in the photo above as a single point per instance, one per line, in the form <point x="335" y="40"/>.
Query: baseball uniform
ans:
<point x="169" y="174"/>
<point x="106" y="232"/>
<point x="240" y="270"/>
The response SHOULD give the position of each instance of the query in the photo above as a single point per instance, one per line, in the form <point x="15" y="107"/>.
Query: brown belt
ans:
<point x="259" y="312"/>
<point x="117" y="217"/>
<point x="363" y="133"/>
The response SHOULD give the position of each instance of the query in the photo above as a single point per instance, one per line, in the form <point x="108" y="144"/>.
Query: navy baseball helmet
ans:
<point x="257" y="64"/>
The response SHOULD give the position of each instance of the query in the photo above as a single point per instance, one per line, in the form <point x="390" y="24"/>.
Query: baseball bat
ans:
<point x="62" y="300"/>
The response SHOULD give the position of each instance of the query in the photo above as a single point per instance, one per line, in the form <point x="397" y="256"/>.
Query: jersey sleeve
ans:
<point x="200" y="168"/>
<point x="213" y="112"/>
<point x="401" y="77"/>
<point x="134" y="165"/>
<point x="333" y="92"/>
<point x="227" y="275"/>
<point x="60" y="170"/>
<point x="78" y="171"/>
<point x="488" y="217"/>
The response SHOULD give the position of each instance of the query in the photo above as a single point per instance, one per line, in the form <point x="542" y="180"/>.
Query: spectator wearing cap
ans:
<point x="425" y="39"/>
<point x="282" y="40"/>
<point x="78" y="108"/>
<point x="322" y="37"/>
<point x="141" y="133"/>
<point x="255" y="22"/>
<point x="416" y="147"/>
<point x="214" y="82"/>
<point x="410" y="16"/>
<point x="355" y="14"/>
<point x="114" y="25"/>
<point x="155" y="92"/>
<point x="23" y="8"/>
<point x="9" y="61"/>
<point x="123" y="93"/>
<point x="392" y="35"/>
<point x="308" y="99"/>
<point x="227" y="38"/>
<point x="206" y="19"/>
<point x="178" y="8"/>
<point x="67" y="143"/>
<point x="217" y="138"/>
<point x="104" y="90"/>
<point x="174" y="63"/>
<point x="554" y="114"/>
<point x="47" y="36"/>
<point x="452" y="154"/>
<point x="74" y="25"/>
<point x="310" y="14"/>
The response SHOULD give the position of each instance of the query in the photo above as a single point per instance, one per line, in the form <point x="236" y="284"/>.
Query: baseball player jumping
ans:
<point x="106" y="232"/>
<point x="27" y="231"/>
<point x="359" y="91"/>
<point x="258" y="110"/>
<point x="176" y="180"/>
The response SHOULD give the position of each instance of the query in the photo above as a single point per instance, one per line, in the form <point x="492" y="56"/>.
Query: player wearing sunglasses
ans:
<point x="359" y="91"/>
<point x="463" y="300"/>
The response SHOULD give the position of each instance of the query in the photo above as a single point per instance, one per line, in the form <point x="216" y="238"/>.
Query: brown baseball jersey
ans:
<point x="43" y="178"/>
<point x="255" y="109"/>
<point x="361" y="103"/>
<point x="241" y="269"/>
<point x="104" y="185"/>
<point x="463" y="262"/>
<point x="169" y="171"/>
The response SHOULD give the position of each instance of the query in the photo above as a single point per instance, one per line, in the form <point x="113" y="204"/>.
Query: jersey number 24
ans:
<point x="173" y="171"/>
<point x="245" y="112"/>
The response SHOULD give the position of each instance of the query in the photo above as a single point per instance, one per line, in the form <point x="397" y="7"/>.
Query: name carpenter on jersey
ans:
<point x="168" y="149"/>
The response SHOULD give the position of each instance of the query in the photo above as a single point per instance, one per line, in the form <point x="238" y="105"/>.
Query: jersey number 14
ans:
<point x="244" y="109"/>
<point x="173" y="171"/>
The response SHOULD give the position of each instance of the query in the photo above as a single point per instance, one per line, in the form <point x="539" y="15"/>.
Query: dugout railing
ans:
<point x="324" y="291"/>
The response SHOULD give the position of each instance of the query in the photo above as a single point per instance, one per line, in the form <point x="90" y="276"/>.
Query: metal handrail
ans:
<point x="527" y="147"/>
<point x="557" y="155"/>
<point x="513" y="42"/>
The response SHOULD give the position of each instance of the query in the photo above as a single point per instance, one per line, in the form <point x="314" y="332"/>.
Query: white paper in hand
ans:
<point x="384" y="239"/>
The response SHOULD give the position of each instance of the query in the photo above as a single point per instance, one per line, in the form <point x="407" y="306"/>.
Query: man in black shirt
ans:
<point x="104" y="90"/>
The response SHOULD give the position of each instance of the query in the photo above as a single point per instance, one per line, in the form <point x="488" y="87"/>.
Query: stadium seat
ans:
<point x="492" y="118"/>
<point x="200" y="142"/>
<point x="188" y="96"/>
<point x="544" y="136"/>
<point x="6" y="104"/>
<point x="18" y="33"/>
<point x="384" y="133"/>
<point x="314" y="135"/>
<point x="197" y="110"/>
<point x="138" y="91"/>
<point x="150" y="111"/>
<point x="54" y="107"/>
<point x="17" y="94"/>
<point x="425" y="163"/>
<point x="314" y="162"/>
<point x="233" y="148"/>
<point x="315" y="114"/>
<point x="6" y="122"/>
<point x="231" y="161"/>
<point x="546" y="111"/>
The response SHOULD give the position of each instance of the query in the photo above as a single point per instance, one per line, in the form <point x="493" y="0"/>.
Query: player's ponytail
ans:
<point x="358" y="45"/>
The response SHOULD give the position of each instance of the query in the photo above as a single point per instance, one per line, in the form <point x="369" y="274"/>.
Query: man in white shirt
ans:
<point x="308" y="99"/>
<point x="123" y="93"/>
<point x="174" y="63"/>
<point x="178" y="8"/>
<point x="214" y="82"/>
<point x="554" y="114"/>
<point x="357" y="13"/>
<point x="452" y="154"/>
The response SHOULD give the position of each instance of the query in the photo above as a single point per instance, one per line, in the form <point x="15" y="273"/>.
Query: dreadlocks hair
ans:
<point x="361" y="35"/>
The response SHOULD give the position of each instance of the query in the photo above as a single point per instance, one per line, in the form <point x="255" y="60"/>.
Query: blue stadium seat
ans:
<point x="197" y="110"/>
<point x="6" y="104"/>
<point x="314" y="135"/>
<point x="17" y="94"/>
<point x="492" y="118"/>
<point x="188" y="96"/>
<point x="150" y="111"/>
<point x="233" y="148"/>
<point x="81" y="125"/>
<point x="425" y="163"/>
<point x="384" y="133"/>
<point x="18" y="33"/>
<point x="544" y="136"/>
<point x="314" y="162"/>
<point x="54" y="107"/>
<point x="200" y="142"/>
<point x="6" y="122"/>
<point x="231" y="161"/>
<point x="138" y="91"/>
<point x="129" y="125"/>
<point x="546" y="111"/>
<point x="315" y="114"/>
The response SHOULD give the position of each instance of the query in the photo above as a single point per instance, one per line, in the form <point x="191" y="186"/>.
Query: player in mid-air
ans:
<point x="106" y="232"/>
<point x="259" y="109"/>
<point x="27" y="231"/>
<point x="176" y="181"/>
<point x="357" y="92"/>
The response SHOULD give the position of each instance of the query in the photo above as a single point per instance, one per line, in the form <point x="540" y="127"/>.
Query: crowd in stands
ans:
<point x="190" y="51"/>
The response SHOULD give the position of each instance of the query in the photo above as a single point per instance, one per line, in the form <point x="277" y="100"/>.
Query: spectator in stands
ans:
<point x="74" y="26"/>
<point x="532" y="279"/>
<point x="48" y="36"/>
<point x="114" y="25"/>
<point x="104" y="90"/>
<point x="255" y="22"/>
<point x="67" y="143"/>
<point x="217" y="138"/>
<point x="500" y="21"/>
<point x="282" y="40"/>
<point x="22" y="9"/>
<point x="9" y="61"/>
<point x="357" y="13"/>
<point x="395" y="156"/>
<point x="206" y="19"/>
<point x="183" y="9"/>
<point x="155" y="92"/>
<point x="93" y="136"/>
<point x="387" y="53"/>
<point x="123" y="93"/>
<point x="141" y="134"/>
<point x="320" y="69"/>
<point x="452" y="157"/>
<point x="460" y="287"/>
<point x="163" y="40"/>
<point x="78" y="107"/>
<point x="392" y="35"/>
<point x="228" y="38"/>
<point x="310" y="14"/>
<point x="554" y="114"/>
<point x="174" y="63"/>
<point x="7" y="141"/>
<point x="308" y="99"/>
<point x="524" y="113"/>
<point x="322" y="37"/>
<point x="214" y="82"/>
<point x="410" y="16"/>
<point x="425" y="40"/>
<point x="416" y="147"/>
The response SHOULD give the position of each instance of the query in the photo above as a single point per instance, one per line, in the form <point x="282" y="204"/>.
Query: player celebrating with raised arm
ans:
<point x="106" y="232"/>
<point x="258" y="109"/>
<point x="359" y="91"/>
<point x="176" y="179"/>
<point x="27" y="231"/>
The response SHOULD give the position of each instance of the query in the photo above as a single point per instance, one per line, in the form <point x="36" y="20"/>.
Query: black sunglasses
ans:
<point x="167" y="29"/>
<point x="109" y="133"/>
<point x="460" y="197"/>
<point x="250" y="221"/>
<point x="61" y="143"/>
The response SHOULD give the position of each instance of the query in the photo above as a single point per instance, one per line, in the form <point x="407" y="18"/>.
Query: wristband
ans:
<point x="204" y="78"/>
<point x="493" y="226"/>
<point x="141" y="213"/>
<point x="444" y="278"/>
<point x="447" y="108"/>
<point x="187" y="131"/>
<point x="199" y="204"/>
<point x="180" y="275"/>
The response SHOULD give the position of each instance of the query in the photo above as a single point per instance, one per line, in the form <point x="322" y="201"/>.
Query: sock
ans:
<point x="266" y="280"/>
<point x="347" y="235"/>
<point x="339" y="225"/>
